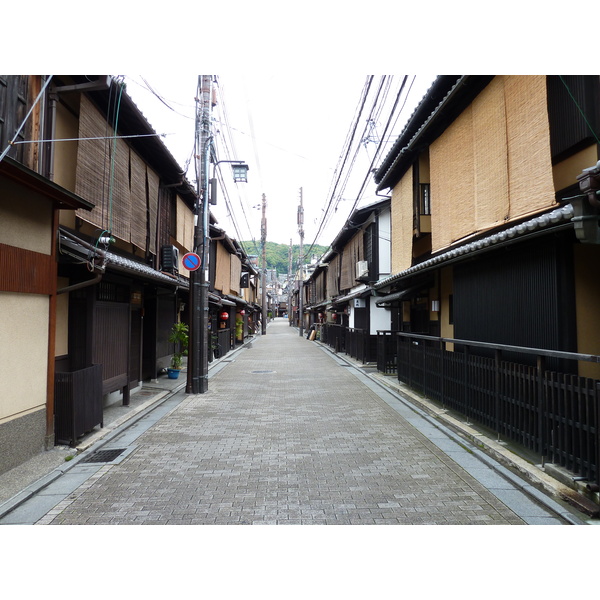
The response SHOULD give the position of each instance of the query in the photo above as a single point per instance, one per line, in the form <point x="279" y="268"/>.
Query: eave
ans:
<point x="560" y="218"/>
<point x="446" y="99"/>
<point x="60" y="197"/>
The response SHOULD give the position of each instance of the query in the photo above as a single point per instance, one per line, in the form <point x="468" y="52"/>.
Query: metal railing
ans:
<point x="386" y="351"/>
<point x="357" y="343"/>
<point x="555" y="414"/>
<point x="334" y="336"/>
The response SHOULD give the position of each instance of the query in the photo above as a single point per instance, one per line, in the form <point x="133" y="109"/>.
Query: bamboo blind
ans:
<point x="121" y="194"/>
<point x="491" y="156"/>
<point x="222" y="269"/>
<point x="138" y="201"/>
<point x="153" y="193"/>
<point x="93" y="165"/>
<point x="529" y="158"/>
<point x="333" y="281"/>
<point x="185" y="225"/>
<point x="236" y="273"/>
<point x="320" y="287"/>
<point x="402" y="223"/>
<point x="112" y="199"/>
<point x="164" y="213"/>
<point x="493" y="163"/>
<point x="453" y="182"/>
<point x="353" y="252"/>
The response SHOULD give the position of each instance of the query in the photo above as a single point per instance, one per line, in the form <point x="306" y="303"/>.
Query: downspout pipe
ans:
<point x="81" y="284"/>
<point x="99" y="270"/>
<point x="53" y="101"/>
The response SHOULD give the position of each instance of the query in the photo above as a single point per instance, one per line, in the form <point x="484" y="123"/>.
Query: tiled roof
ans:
<point x="563" y="214"/>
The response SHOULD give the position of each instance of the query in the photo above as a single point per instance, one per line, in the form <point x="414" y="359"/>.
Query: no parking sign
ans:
<point x="191" y="261"/>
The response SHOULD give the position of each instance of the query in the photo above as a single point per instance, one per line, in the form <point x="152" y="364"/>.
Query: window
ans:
<point x="424" y="199"/>
<point x="13" y="108"/>
<point x="573" y="113"/>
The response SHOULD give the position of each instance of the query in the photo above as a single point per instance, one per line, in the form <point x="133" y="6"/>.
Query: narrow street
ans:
<point x="288" y="433"/>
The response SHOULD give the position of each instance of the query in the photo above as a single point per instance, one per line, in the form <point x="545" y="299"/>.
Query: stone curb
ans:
<point x="484" y="448"/>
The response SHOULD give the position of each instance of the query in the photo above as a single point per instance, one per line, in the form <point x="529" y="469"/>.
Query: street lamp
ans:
<point x="240" y="175"/>
<point x="240" y="172"/>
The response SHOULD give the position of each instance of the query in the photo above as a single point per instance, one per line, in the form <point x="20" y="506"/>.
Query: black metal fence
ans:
<point x="357" y="343"/>
<point x="334" y="336"/>
<point x="552" y="413"/>
<point x="386" y="352"/>
<point x="223" y="342"/>
<point x="77" y="403"/>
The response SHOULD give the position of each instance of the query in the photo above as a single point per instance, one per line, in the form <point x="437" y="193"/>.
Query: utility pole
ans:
<point x="289" y="284"/>
<point x="197" y="382"/>
<point x="301" y="265"/>
<point x="263" y="241"/>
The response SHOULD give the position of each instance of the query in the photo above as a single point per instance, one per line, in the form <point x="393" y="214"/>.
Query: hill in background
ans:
<point x="277" y="254"/>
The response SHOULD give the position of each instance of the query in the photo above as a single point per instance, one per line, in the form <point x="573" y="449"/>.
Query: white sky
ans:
<point x="291" y="131"/>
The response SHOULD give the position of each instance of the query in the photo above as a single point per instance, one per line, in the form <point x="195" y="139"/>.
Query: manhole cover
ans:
<point x="104" y="456"/>
<point x="262" y="371"/>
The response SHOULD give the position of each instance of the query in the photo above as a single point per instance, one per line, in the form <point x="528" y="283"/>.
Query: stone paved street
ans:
<point x="286" y="434"/>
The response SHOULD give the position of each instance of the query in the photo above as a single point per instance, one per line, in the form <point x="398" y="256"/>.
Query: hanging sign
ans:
<point x="191" y="261"/>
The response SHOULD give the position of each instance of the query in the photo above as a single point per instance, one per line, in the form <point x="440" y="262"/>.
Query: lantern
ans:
<point x="240" y="172"/>
<point x="224" y="316"/>
<point x="242" y="312"/>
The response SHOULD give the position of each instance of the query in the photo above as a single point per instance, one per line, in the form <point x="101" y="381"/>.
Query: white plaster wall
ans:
<point x="27" y="224"/>
<point x="385" y="244"/>
<point x="380" y="317"/>
<point x="23" y="353"/>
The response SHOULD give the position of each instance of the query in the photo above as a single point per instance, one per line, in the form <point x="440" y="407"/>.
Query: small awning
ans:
<point x="131" y="267"/>
<point x="72" y="245"/>
<point x="396" y="296"/>
<point x="318" y="306"/>
<point x="214" y="299"/>
<point x="236" y="300"/>
<point x="365" y="291"/>
<point x="226" y="302"/>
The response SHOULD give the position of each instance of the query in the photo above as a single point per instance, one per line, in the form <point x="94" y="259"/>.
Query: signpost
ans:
<point x="191" y="261"/>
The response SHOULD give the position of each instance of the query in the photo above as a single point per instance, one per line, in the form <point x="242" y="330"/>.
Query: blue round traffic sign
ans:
<point x="191" y="261"/>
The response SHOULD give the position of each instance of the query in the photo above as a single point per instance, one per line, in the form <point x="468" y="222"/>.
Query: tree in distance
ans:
<point x="277" y="254"/>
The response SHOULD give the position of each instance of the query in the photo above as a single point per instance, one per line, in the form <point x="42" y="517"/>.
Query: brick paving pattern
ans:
<point x="285" y="435"/>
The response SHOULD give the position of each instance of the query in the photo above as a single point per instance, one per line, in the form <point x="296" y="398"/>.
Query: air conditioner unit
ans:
<point x="362" y="269"/>
<point x="169" y="259"/>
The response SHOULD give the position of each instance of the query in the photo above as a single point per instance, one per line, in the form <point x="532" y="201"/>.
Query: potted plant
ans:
<point x="179" y="336"/>
<point x="239" y="328"/>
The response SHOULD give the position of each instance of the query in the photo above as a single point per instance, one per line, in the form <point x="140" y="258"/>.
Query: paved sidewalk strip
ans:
<point x="286" y="435"/>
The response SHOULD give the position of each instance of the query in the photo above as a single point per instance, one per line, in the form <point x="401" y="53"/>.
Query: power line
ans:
<point x="347" y="147"/>
<point x="377" y="108"/>
<point x="167" y="103"/>
<point x="369" y="173"/>
<point x="375" y="104"/>
<point x="11" y="142"/>
<point x="227" y="141"/>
